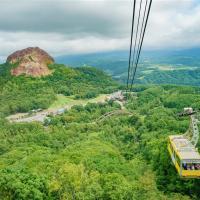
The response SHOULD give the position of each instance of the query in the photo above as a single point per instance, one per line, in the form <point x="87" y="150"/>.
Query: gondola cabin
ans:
<point x="184" y="156"/>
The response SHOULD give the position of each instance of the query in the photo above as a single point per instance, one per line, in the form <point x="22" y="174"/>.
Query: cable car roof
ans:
<point x="184" y="148"/>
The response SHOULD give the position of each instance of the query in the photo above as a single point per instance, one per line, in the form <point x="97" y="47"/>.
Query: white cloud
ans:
<point x="57" y="44"/>
<point x="83" y="26"/>
<point x="177" y="27"/>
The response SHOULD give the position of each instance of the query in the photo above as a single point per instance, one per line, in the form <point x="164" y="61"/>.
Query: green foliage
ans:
<point x="23" y="94"/>
<point x="73" y="157"/>
<point x="155" y="67"/>
<point x="22" y="185"/>
<point x="180" y="77"/>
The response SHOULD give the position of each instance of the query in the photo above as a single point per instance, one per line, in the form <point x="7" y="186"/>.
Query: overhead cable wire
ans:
<point x="139" y="51"/>
<point x="135" y="43"/>
<point x="141" y="32"/>
<point x="131" y="43"/>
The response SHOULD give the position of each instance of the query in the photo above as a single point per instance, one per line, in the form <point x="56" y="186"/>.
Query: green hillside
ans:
<point x="179" y="67"/>
<point x="122" y="157"/>
<point x="22" y="94"/>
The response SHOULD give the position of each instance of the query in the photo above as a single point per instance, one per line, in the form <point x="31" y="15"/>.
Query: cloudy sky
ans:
<point x="84" y="26"/>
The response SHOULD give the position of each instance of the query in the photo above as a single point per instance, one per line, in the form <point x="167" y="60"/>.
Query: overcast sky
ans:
<point x="84" y="26"/>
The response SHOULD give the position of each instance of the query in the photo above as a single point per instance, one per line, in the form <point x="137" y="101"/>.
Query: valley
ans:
<point x="181" y="67"/>
<point x="129" y="152"/>
<point x="90" y="146"/>
<point x="100" y="100"/>
<point x="61" y="105"/>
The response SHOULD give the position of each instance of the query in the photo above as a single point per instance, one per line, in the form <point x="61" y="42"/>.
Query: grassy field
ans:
<point x="63" y="101"/>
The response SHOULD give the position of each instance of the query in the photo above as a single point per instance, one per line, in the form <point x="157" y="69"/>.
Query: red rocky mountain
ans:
<point x="33" y="61"/>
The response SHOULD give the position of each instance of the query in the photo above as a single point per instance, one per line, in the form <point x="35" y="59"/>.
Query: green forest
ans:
<point x="23" y="94"/>
<point x="180" y="67"/>
<point x="73" y="156"/>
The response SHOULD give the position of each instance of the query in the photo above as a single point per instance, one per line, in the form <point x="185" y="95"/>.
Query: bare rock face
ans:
<point x="33" y="61"/>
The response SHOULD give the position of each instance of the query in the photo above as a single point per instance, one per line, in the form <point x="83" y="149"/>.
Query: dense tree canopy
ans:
<point x="23" y="94"/>
<point x="73" y="157"/>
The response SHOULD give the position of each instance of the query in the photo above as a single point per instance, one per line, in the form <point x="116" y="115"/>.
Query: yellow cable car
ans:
<point x="184" y="156"/>
<point x="183" y="152"/>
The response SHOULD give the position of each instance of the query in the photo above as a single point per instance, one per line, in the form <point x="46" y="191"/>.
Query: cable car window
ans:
<point x="191" y="166"/>
<point x="184" y="166"/>
<point x="197" y="166"/>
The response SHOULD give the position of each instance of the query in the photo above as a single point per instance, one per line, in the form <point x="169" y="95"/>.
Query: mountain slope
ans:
<point x="31" y="61"/>
<point x="75" y="156"/>
<point x="123" y="157"/>
<point x="23" y="93"/>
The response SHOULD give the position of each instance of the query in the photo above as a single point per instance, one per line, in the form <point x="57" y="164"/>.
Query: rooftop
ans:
<point x="184" y="147"/>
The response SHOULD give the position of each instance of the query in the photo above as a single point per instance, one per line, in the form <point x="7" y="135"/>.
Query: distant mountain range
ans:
<point x="157" y="66"/>
<point x="186" y="56"/>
